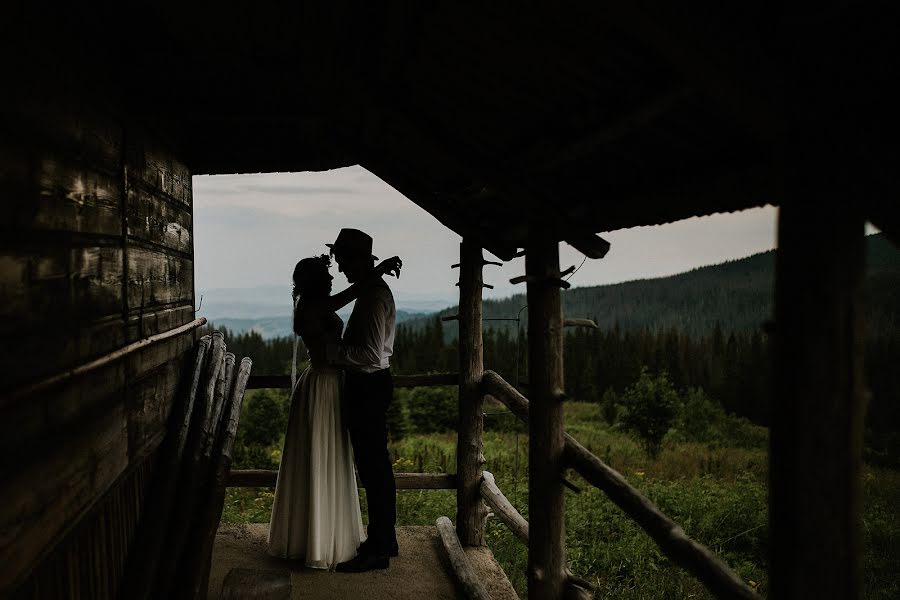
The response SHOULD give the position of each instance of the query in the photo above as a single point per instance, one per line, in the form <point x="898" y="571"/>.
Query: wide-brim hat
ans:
<point x="353" y="241"/>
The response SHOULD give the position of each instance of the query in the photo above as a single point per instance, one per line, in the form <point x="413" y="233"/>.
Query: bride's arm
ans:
<point x="344" y="297"/>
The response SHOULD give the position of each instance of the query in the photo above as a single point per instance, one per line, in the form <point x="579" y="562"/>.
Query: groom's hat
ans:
<point x="353" y="241"/>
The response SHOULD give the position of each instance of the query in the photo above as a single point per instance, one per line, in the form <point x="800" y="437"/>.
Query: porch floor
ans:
<point x="421" y="571"/>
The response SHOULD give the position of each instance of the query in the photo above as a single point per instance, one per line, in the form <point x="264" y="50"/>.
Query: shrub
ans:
<point x="609" y="406"/>
<point x="264" y="419"/>
<point x="433" y="409"/>
<point x="396" y="416"/>
<point x="700" y="418"/>
<point x="649" y="409"/>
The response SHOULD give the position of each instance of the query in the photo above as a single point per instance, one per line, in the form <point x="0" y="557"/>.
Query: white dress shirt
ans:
<point x="368" y="340"/>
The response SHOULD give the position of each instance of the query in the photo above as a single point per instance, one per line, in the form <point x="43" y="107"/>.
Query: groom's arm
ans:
<point x="365" y="349"/>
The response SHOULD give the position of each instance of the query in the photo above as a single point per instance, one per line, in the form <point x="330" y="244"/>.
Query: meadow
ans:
<point x="716" y="490"/>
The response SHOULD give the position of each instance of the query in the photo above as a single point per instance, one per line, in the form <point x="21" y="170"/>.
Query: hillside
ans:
<point x="737" y="294"/>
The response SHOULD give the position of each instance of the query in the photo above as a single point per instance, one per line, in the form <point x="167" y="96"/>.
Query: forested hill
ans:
<point x="737" y="294"/>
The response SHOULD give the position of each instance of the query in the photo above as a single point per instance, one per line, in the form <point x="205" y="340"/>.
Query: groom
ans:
<point x="365" y="351"/>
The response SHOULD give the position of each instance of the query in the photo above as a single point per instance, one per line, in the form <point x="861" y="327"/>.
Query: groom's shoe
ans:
<point x="394" y="553"/>
<point x="365" y="561"/>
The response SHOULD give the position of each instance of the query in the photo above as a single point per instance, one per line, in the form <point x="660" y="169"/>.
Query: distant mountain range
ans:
<point x="738" y="294"/>
<point x="267" y="309"/>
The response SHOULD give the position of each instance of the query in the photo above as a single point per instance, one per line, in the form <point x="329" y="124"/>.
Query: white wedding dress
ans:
<point x="315" y="515"/>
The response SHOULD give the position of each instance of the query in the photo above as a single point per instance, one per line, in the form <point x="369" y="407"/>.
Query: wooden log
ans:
<point x="819" y="399"/>
<point x="400" y="381"/>
<point x="465" y="574"/>
<point x="546" y="496"/>
<point x="471" y="512"/>
<point x="576" y="587"/>
<point x="193" y="472"/>
<point x="503" y="508"/>
<point x="671" y="539"/>
<point x="404" y="481"/>
<point x="144" y="560"/>
<point x="194" y="573"/>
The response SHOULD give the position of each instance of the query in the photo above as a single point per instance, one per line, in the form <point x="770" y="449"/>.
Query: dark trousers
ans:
<point x="367" y="397"/>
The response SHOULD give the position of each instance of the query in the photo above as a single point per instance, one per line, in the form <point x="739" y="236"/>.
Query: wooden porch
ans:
<point x="240" y="564"/>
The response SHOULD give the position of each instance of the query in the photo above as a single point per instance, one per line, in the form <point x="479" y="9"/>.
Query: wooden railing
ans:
<point x="404" y="481"/>
<point x="671" y="538"/>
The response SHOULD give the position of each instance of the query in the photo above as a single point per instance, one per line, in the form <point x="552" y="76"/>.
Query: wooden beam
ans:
<point x="546" y="497"/>
<point x="470" y="510"/>
<point x="466" y="576"/>
<point x="818" y="403"/>
<point x="592" y="246"/>
<point x="404" y="481"/>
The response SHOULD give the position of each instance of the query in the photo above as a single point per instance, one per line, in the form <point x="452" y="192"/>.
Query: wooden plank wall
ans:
<point x="96" y="251"/>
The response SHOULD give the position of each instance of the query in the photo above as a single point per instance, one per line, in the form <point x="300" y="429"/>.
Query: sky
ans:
<point x="250" y="230"/>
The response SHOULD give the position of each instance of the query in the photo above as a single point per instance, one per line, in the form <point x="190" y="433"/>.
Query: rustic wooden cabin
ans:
<point x="518" y="127"/>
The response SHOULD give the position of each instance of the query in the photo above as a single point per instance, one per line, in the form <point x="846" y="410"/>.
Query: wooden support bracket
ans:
<point x="450" y="318"/>
<point x="557" y="281"/>
<point x="487" y="285"/>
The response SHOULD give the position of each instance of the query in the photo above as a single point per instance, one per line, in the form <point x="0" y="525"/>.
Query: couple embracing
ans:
<point x="337" y="415"/>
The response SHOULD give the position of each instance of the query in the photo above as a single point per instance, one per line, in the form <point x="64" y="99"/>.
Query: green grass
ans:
<point x="717" y="494"/>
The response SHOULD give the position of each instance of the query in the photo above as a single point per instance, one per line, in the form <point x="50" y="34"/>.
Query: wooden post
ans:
<point x="471" y="511"/>
<point x="546" y="500"/>
<point x="818" y="410"/>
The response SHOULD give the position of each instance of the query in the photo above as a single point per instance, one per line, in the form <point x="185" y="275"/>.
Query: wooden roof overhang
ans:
<point x="496" y="118"/>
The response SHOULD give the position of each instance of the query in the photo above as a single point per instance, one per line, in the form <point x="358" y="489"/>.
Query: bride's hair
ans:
<point x="311" y="274"/>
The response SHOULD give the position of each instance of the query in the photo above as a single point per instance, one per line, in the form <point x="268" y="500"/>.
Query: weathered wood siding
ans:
<point x="96" y="251"/>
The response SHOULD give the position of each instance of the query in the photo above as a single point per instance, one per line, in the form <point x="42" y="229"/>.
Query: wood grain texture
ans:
<point x="151" y="167"/>
<point x="470" y="510"/>
<point x="546" y="497"/>
<point x="57" y="284"/>
<point x="193" y="470"/>
<point x="466" y="576"/>
<point x="90" y="561"/>
<point x="43" y="502"/>
<point x="502" y="507"/>
<point x="818" y="409"/>
<point x="47" y="192"/>
<point x="156" y="278"/>
<point x="144" y="560"/>
<point x="194" y="574"/>
<point x="154" y="218"/>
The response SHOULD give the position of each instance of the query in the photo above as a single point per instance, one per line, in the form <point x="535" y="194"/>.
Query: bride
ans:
<point x="316" y="516"/>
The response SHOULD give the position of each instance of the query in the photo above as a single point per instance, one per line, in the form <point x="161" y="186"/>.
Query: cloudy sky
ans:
<point x="251" y="229"/>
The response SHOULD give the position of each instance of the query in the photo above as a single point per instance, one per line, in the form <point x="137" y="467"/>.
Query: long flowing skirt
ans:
<point x="316" y="516"/>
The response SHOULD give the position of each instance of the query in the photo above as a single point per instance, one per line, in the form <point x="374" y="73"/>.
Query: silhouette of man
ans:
<point x="364" y="352"/>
